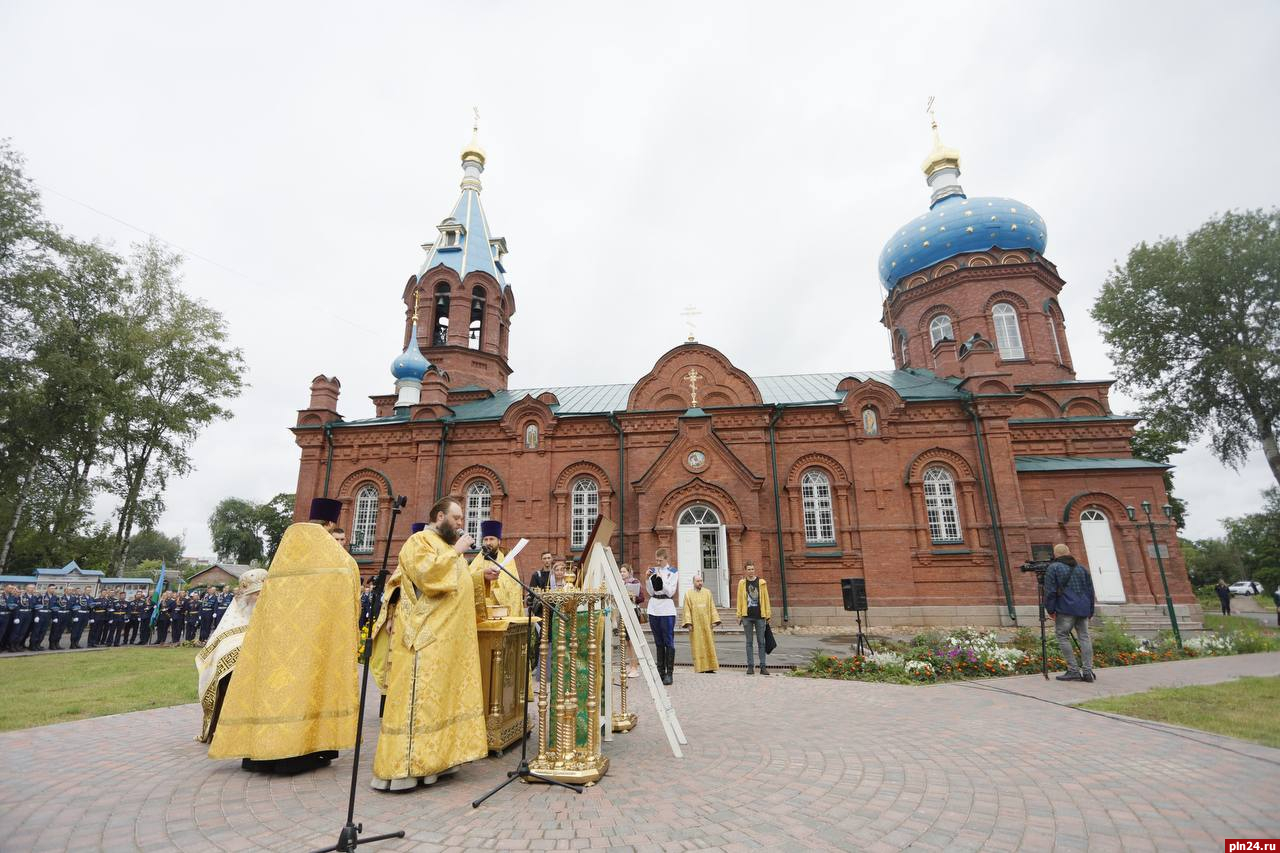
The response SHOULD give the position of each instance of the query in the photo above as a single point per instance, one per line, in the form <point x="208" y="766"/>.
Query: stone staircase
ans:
<point x="1153" y="618"/>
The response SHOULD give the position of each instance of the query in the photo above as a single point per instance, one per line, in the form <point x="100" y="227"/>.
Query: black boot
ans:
<point x="669" y="660"/>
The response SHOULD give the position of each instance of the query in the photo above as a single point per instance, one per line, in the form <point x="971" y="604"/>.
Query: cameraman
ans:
<point x="1069" y="602"/>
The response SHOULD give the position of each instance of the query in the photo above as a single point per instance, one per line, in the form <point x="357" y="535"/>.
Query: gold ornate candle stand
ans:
<point x="570" y="688"/>
<point x="622" y="719"/>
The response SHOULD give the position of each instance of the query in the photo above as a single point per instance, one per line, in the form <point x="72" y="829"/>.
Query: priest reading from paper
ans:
<point x="504" y="591"/>
<point x="434" y="717"/>
<point x="294" y="698"/>
<point x="700" y="616"/>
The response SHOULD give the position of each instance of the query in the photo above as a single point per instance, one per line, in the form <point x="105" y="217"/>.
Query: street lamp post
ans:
<point x="1155" y="544"/>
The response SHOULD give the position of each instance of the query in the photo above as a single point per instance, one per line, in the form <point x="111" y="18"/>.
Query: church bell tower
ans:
<point x="466" y="303"/>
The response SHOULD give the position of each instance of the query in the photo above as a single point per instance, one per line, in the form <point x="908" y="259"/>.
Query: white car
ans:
<point x="1245" y="588"/>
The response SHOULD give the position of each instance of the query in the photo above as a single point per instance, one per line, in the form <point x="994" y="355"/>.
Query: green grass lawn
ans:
<point x="42" y="689"/>
<point x="1245" y="708"/>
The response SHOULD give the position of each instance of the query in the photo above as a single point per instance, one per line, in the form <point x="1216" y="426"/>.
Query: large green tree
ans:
<point x="1194" y="329"/>
<point x="277" y="515"/>
<point x="1256" y="537"/>
<point x="108" y="371"/>
<point x="236" y="527"/>
<point x="176" y="370"/>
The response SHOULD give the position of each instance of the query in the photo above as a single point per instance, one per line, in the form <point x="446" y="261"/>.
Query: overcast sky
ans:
<point x="748" y="158"/>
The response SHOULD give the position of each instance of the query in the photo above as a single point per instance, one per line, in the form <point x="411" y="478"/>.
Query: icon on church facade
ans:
<point x="870" y="421"/>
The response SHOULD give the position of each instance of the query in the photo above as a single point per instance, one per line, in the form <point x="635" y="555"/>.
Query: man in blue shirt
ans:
<point x="1069" y="602"/>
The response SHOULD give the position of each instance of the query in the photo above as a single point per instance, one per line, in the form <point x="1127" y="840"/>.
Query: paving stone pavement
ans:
<point x="772" y="764"/>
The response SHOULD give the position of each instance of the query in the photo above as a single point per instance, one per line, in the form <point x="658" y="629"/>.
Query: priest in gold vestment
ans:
<point x="504" y="591"/>
<point x="700" y="616"/>
<point x="294" y="699"/>
<point x="434" y="715"/>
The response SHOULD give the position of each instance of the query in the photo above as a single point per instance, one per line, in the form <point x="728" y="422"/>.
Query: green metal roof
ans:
<point x="1028" y="464"/>
<point x="795" y="390"/>
<point x="1072" y="419"/>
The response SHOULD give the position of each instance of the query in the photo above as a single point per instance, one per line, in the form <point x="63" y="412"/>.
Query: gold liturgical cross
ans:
<point x="693" y="376"/>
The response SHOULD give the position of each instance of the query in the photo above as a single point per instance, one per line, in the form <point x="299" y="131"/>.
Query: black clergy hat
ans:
<point x="325" y="509"/>
<point x="417" y="527"/>
<point x="491" y="528"/>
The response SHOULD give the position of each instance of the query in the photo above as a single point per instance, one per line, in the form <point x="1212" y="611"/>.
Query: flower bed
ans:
<point x="968" y="653"/>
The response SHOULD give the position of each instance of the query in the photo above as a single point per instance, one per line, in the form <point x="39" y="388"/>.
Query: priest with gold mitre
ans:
<point x="294" y="699"/>
<point x="700" y="616"/>
<point x="433" y="721"/>
<point x="504" y="591"/>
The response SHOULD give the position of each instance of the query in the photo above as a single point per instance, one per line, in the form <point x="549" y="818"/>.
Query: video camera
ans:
<point x="1037" y="566"/>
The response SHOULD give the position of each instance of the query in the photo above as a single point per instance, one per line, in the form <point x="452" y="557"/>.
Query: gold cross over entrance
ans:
<point x="693" y="376"/>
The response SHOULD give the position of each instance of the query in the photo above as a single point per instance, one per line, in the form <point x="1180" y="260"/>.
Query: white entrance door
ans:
<point x="700" y="549"/>
<point x="1100" y="556"/>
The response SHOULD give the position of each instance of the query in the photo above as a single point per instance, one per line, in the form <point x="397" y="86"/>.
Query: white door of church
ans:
<point x="1100" y="556"/>
<point x="700" y="549"/>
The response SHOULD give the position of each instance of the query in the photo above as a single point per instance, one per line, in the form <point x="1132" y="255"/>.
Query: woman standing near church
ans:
<point x="663" y="582"/>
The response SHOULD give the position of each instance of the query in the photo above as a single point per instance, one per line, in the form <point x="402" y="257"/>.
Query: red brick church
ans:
<point x="934" y="480"/>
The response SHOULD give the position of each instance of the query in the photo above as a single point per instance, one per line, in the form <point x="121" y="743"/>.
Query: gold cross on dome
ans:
<point x="690" y="313"/>
<point x="416" y="295"/>
<point x="693" y="376"/>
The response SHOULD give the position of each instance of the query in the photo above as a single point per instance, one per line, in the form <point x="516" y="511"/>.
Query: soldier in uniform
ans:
<point x="97" y="606"/>
<point x="8" y="604"/>
<point x="165" y="618"/>
<point x="61" y="613"/>
<point x="139" y="612"/>
<point x="77" y="615"/>
<point x="42" y="614"/>
<point x="366" y="604"/>
<point x="208" y="607"/>
<point x="119" y="619"/>
<point x="221" y="601"/>
<point x="192" y="627"/>
<point x="179" y="617"/>
<point x="145" y="611"/>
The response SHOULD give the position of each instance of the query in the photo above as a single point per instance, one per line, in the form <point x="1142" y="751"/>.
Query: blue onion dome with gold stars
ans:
<point x="956" y="224"/>
<point x="411" y="364"/>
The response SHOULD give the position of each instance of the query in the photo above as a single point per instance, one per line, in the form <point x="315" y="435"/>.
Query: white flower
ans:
<point x="885" y="660"/>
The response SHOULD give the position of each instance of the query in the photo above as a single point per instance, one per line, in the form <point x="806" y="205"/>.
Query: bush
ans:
<point x="1027" y="640"/>
<point x="1111" y="639"/>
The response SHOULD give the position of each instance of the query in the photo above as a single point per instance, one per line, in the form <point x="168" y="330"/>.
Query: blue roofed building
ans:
<point x="971" y="449"/>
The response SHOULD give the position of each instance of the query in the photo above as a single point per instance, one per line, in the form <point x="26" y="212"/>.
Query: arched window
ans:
<point x="870" y="421"/>
<point x="940" y="330"/>
<point x="699" y="515"/>
<point x="479" y="503"/>
<point x="819" y="523"/>
<point x="364" y="524"/>
<point x="531" y="437"/>
<point x="903" y="355"/>
<point x="585" y="507"/>
<point x="476" y="327"/>
<point x="440" y="325"/>
<point x="1053" y="333"/>
<point x="1008" y="337"/>
<point x="940" y="506"/>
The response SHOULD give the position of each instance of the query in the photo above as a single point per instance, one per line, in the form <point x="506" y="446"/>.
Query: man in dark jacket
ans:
<point x="1069" y="600"/>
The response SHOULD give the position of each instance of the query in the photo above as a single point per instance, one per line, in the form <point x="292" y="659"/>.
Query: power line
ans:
<point x="185" y="251"/>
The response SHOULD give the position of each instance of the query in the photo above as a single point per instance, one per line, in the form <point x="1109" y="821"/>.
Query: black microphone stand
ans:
<point x="349" y="838"/>
<point x="522" y="770"/>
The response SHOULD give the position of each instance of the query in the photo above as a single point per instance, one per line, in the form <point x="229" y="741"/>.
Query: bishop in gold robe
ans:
<point x="504" y="591"/>
<point x="700" y="616"/>
<point x="294" y="699"/>
<point x="433" y="720"/>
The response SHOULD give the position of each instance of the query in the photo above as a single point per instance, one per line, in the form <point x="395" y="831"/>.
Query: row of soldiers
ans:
<point x="29" y="618"/>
